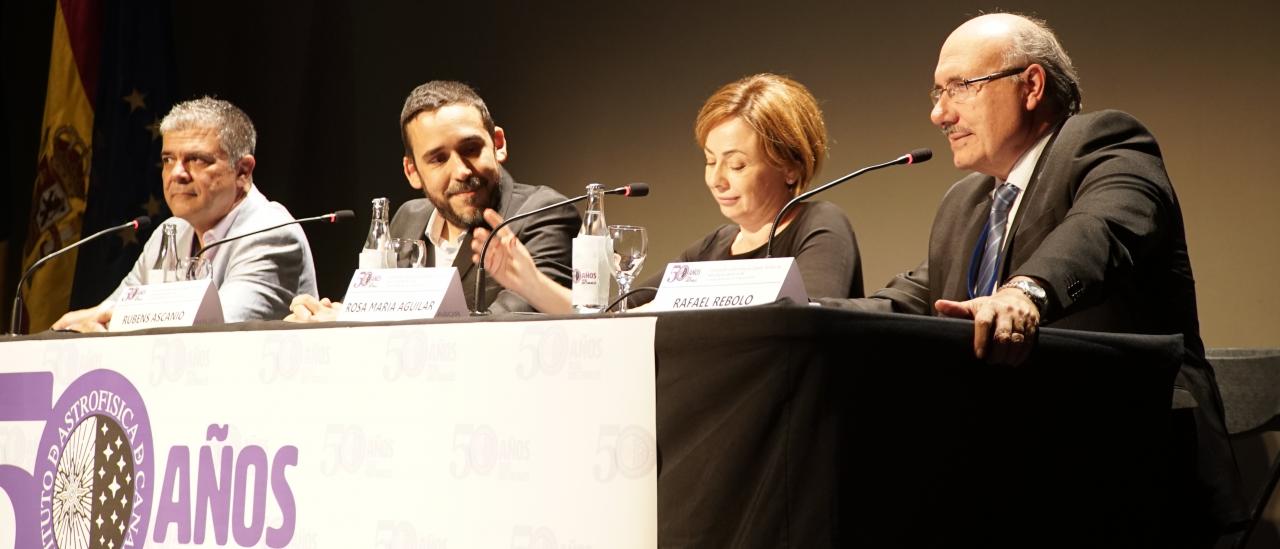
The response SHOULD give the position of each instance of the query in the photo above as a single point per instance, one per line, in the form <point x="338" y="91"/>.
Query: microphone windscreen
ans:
<point x="141" y="222"/>
<point x="343" y="214"/>
<point x="638" y="189"/>
<point x="920" y="155"/>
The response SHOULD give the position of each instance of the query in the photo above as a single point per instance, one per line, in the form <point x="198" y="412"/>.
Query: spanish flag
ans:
<point x="111" y="75"/>
<point x="66" y="150"/>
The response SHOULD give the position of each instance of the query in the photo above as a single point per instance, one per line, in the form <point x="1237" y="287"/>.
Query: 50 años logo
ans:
<point x="91" y="483"/>
<point x="95" y="473"/>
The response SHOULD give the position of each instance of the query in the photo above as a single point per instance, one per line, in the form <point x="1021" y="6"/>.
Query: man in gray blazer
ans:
<point x="453" y="153"/>
<point x="1068" y="220"/>
<point x="207" y="167"/>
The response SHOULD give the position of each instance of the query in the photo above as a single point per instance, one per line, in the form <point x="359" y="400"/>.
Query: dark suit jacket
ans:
<point x="1101" y="226"/>
<point x="548" y="236"/>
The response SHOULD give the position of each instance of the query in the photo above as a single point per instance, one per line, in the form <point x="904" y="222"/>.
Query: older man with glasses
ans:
<point x="1068" y="220"/>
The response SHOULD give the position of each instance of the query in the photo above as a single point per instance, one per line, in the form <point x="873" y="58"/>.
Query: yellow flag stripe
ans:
<point x="62" y="182"/>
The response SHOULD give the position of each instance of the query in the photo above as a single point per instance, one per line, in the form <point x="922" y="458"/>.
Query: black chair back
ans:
<point x="1249" y="380"/>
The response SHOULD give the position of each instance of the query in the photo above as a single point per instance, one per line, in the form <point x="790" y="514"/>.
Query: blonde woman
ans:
<point x="764" y="140"/>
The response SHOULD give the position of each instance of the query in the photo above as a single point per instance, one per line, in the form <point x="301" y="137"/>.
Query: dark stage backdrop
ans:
<point x="608" y="92"/>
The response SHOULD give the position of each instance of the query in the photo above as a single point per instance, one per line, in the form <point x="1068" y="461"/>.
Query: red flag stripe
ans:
<point x="84" y="27"/>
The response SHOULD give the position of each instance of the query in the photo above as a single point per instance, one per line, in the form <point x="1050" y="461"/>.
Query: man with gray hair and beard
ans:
<point x="453" y="153"/>
<point x="1069" y="220"/>
<point x="207" y="168"/>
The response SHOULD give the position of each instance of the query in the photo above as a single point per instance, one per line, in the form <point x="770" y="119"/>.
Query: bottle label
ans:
<point x="375" y="259"/>
<point x="590" y="272"/>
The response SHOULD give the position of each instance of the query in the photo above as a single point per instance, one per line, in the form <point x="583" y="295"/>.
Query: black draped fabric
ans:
<point x="804" y="427"/>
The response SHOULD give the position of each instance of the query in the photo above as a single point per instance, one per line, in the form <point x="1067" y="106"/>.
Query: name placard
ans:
<point x="732" y="283"/>
<point x="170" y="304"/>
<point x="403" y="294"/>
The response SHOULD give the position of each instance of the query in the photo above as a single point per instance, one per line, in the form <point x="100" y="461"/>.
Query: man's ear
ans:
<point x="244" y="171"/>
<point x="411" y="173"/>
<point x="499" y="144"/>
<point x="1034" y="82"/>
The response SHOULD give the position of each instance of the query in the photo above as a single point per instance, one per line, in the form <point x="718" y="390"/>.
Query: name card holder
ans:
<point x="403" y="294"/>
<point x="170" y="304"/>
<point x="733" y="283"/>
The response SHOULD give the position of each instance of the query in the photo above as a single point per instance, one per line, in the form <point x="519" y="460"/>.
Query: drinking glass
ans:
<point x="630" y="244"/>
<point x="408" y="253"/>
<point x="194" y="268"/>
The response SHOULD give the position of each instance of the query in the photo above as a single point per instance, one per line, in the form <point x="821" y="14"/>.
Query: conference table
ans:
<point x="766" y="426"/>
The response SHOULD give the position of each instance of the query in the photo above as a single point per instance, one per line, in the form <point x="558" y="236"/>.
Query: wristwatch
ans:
<point x="1033" y="291"/>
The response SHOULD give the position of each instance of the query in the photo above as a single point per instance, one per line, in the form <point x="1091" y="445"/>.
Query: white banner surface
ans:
<point x="497" y="434"/>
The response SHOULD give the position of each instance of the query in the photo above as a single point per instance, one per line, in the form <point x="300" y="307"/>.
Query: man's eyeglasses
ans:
<point x="962" y="90"/>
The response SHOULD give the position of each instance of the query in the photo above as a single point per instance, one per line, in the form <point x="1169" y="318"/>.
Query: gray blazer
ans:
<point x="257" y="276"/>
<point x="548" y="236"/>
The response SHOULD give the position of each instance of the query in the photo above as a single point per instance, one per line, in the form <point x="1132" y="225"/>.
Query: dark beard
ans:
<point x="468" y="222"/>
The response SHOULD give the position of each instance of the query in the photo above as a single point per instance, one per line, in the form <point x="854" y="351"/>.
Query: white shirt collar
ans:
<point x="446" y="251"/>
<point x="1022" y="170"/>
<point x="436" y="229"/>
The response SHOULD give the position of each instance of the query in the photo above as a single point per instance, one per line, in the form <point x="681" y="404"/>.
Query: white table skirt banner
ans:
<point x="449" y="435"/>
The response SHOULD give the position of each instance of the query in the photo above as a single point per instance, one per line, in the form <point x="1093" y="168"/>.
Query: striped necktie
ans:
<point x="995" y="238"/>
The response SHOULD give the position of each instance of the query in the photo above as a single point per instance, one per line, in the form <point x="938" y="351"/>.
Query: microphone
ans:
<point x="632" y="190"/>
<point x="914" y="157"/>
<point x="331" y="217"/>
<point x="15" y="317"/>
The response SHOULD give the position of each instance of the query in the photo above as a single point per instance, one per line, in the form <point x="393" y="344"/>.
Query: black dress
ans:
<point x="819" y="237"/>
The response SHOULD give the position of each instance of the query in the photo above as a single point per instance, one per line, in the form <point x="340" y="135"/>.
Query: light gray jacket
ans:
<point x="256" y="276"/>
